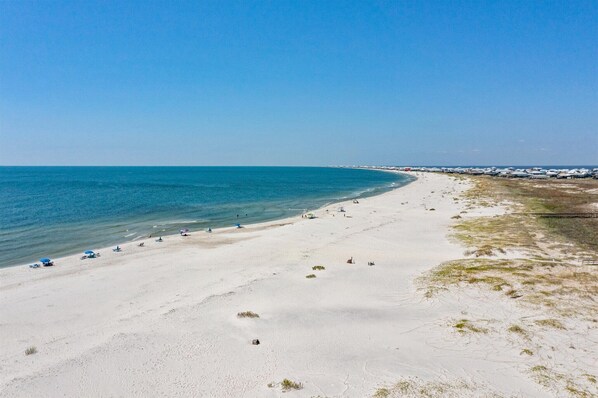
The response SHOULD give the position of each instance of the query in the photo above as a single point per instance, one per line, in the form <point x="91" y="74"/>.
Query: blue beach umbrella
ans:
<point x="45" y="260"/>
<point x="88" y="252"/>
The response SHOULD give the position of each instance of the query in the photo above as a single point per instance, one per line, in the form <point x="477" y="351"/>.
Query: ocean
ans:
<point x="57" y="211"/>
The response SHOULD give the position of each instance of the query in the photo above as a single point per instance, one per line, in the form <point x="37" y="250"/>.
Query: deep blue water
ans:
<point x="54" y="211"/>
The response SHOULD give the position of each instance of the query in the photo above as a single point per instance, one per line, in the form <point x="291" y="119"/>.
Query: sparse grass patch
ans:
<point x="485" y="250"/>
<point x="517" y="329"/>
<point x="560" y="287"/>
<point x="318" y="268"/>
<point x="553" y="323"/>
<point x="561" y="381"/>
<point x="288" y="385"/>
<point x="310" y="276"/>
<point x="465" y="326"/>
<point x="247" y="314"/>
<point x="526" y="351"/>
<point x="382" y="393"/>
<point x="512" y="293"/>
<point x="498" y="288"/>
<point x="491" y="272"/>
<point x="415" y="387"/>
<point x="541" y="374"/>
<point x="490" y="234"/>
<point x="31" y="350"/>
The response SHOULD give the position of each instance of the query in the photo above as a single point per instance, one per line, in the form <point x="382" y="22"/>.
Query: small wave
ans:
<point x="131" y="234"/>
<point x="178" y="222"/>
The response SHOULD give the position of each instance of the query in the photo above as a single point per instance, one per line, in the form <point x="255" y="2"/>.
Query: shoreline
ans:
<point x="379" y="190"/>
<point x="193" y="235"/>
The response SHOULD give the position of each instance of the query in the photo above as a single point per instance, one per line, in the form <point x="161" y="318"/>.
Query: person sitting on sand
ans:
<point x="159" y="239"/>
<point x="209" y="229"/>
<point x="117" y="248"/>
<point x="141" y="244"/>
<point x="350" y="261"/>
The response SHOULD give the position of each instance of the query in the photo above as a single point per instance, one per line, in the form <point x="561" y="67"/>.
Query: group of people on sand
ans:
<point x="118" y="249"/>
<point x="351" y="261"/>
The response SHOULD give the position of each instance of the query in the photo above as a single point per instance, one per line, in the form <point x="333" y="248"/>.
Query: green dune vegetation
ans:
<point x="541" y="251"/>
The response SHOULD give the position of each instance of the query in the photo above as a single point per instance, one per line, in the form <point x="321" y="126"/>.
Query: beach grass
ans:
<point x="31" y="350"/>
<point x="537" y="261"/>
<point x="247" y="314"/>
<point x="526" y="351"/>
<point x="547" y="274"/>
<point x="551" y="323"/>
<point x="464" y="326"/>
<point x="288" y="385"/>
<point x="415" y="387"/>
<point x="382" y="393"/>
<point x="518" y="330"/>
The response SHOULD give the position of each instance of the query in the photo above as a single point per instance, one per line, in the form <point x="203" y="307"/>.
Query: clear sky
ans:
<point x="298" y="83"/>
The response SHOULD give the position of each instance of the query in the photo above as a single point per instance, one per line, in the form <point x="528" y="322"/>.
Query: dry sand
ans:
<point x="161" y="320"/>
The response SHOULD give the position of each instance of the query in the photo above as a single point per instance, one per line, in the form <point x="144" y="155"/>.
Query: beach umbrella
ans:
<point x="88" y="252"/>
<point x="45" y="260"/>
<point x="184" y="230"/>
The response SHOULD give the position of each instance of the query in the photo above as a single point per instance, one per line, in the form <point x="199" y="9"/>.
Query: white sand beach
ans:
<point x="161" y="320"/>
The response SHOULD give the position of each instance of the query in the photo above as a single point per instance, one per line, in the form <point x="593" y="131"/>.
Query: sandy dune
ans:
<point x="160" y="320"/>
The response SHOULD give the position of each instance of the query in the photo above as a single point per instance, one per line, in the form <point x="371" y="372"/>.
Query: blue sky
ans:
<point x="298" y="83"/>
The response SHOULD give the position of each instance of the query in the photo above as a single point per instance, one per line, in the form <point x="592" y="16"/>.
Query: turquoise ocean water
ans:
<point x="55" y="211"/>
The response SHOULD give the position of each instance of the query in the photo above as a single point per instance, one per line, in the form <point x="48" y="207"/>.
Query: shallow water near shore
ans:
<point x="55" y="211"/>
